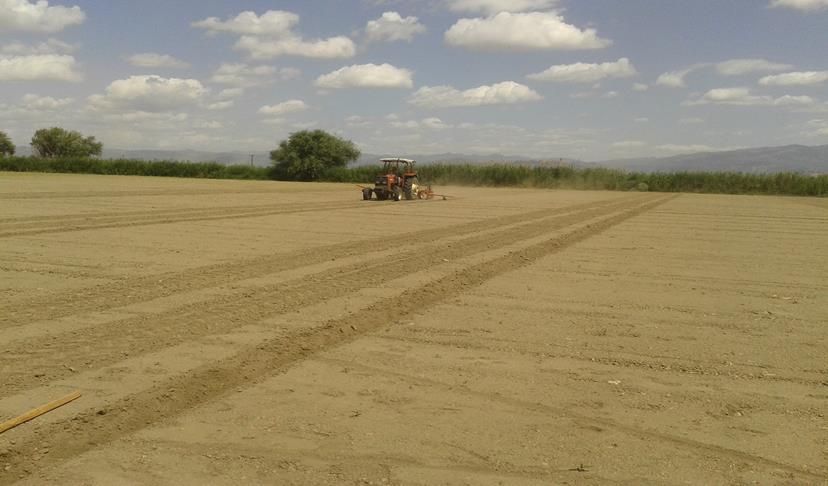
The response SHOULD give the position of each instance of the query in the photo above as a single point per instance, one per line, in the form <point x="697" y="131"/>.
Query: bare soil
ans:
<point x="228" y="332"/>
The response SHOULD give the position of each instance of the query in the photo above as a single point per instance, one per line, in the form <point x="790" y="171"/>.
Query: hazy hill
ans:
<point x="789" y="158"/>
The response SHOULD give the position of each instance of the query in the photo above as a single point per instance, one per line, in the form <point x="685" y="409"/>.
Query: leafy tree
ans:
<point x="6" y="145"/>
<point x="57" y="142"/>
<point x="306" y="155"/>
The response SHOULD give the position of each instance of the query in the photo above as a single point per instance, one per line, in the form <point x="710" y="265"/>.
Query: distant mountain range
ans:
<point x="789" y="158"/>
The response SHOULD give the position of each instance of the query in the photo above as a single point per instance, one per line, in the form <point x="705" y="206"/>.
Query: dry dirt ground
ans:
<point x="228" y="332"/>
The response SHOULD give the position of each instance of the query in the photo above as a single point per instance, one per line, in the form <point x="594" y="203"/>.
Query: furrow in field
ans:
<point x="797" y="474"/>
<point x="158" y="192"/>
<point x="171" y="397"/>
<point x="126" y="222"/>
<point x="30" y="222"/>
<point x="134" y="290"/>
<point x="143" y="333"/>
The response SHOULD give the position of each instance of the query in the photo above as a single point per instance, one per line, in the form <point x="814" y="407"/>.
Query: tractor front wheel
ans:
<point x="366" y="194"/>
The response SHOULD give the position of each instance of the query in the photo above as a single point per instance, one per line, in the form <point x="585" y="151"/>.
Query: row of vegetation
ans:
<point x="318" y="156"/>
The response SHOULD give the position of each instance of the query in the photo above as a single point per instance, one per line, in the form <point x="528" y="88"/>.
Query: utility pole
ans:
<point x="251" y="160"/>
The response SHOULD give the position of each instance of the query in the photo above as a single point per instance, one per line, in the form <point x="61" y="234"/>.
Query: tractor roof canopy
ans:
<point x="397" y="159"/>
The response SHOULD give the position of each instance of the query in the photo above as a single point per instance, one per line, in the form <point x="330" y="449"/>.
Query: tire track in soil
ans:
<point x="159" y="192"/>
<point x="627" y="359"/>
<point x="81" y="225"/>
<point x="174" y="396"/>
<point x="145" y="333"/>
<point x="136" y="290"/>
<point x="712" y="451"/>
<point x="22" y="221"/>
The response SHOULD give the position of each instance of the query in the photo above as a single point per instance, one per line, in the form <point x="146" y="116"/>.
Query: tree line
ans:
<point x="55" y="142"/>
<point x="318" y="156"/>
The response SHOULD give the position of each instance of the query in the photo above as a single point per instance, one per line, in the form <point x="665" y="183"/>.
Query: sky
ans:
<point x="586" y="79"/>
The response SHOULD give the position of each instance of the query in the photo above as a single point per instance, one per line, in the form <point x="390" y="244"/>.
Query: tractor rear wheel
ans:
<point x="408" y="189"/>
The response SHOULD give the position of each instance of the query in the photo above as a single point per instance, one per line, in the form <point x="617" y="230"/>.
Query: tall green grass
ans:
<point x="505" y="175"/>
<point x="202" y="170"/>
<point x="492" y="175"/>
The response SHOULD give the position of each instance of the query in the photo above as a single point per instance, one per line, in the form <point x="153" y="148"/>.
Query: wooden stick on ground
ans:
<point x="37" y="412"/>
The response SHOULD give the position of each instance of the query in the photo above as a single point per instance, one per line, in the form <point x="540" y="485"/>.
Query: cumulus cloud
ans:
<point x="490" y="7"/>
<point x="50" y="46"/>
<point x="39" y="67"/>
<point x="431" y="123"/>
<point x="366" y="76"/>
<point x="284" y="108"/>
<point x="629" y="144"/>
<point x="737" y="67"/>
<point x="586" y="73"/>
<point x="507" y="92"/>
<point x="744" y="97"/>
<point x="803" y="5"/>
<point x="272" y="22"/>
<point x="391" y="26"/>
<point x="38" y="16"/>
<point x="220" y="105"/>
<point x="522" y="31"/>
<point x="640" y="87"/>
<point x="35" y="102"/>
<point x="154" y="60"/>
<point x="271" y="35"/>
<point x="149" y="94"/>
<point x="795" y="79"/>
<point x="675" y="79"/>
<point x="245" y="76"/>
<point x="266" y="48"/>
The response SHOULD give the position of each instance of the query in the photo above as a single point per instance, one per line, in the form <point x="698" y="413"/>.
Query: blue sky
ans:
<point x="585" y="79"/>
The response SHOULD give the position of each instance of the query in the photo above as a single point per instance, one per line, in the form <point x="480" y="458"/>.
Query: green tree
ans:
<point x="57" y="142"/>
<point x="306" y="155"/>
<point x="6" y="145"/>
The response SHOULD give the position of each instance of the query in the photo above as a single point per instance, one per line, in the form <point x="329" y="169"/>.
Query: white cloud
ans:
<point x="391" y="26"/>
<point x="737" y="67"/>
<point x="744" y="97"/>
<point x="795" y="78"/>
<point x="586" y="73"/>
<point x="691" y="121"/>
<point x="220" y="105"/>
<point x="366" y="76"/>
<point x="522" y="31"/>
<point x="34" y="102"/>
<point x="231" y="93"/>
<point x="50" y="46"/>
<point x="284" y="108"/>
<point x="27" y="16"/>
<point x="271" y="35"/>
<point x="39" y="67"/>
<point x="149" y="94"/>
<point x="272" y="22"/>
<point x="245" y="76"/>
<point x="675" y="79"/>
<point x="640" y="87"/>
<point x="339" y="47"/>
<point x="803" y="5"/>
<point x="507" y="92"/>
<point x="491" y="7"/>
<point x="435" y="123"/>
<point x="629" y="144"/>
<point x="155" y="60"/>
<point x="641" y="119"/>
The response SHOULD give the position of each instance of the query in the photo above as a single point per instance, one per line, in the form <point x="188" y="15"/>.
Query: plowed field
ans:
<point x="227" y="332"/>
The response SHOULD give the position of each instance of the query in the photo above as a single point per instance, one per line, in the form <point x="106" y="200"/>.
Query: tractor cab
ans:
<point x="398" y="179"/>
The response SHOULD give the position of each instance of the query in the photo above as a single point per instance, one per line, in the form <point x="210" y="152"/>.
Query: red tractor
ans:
<point x="397" y="180"/>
